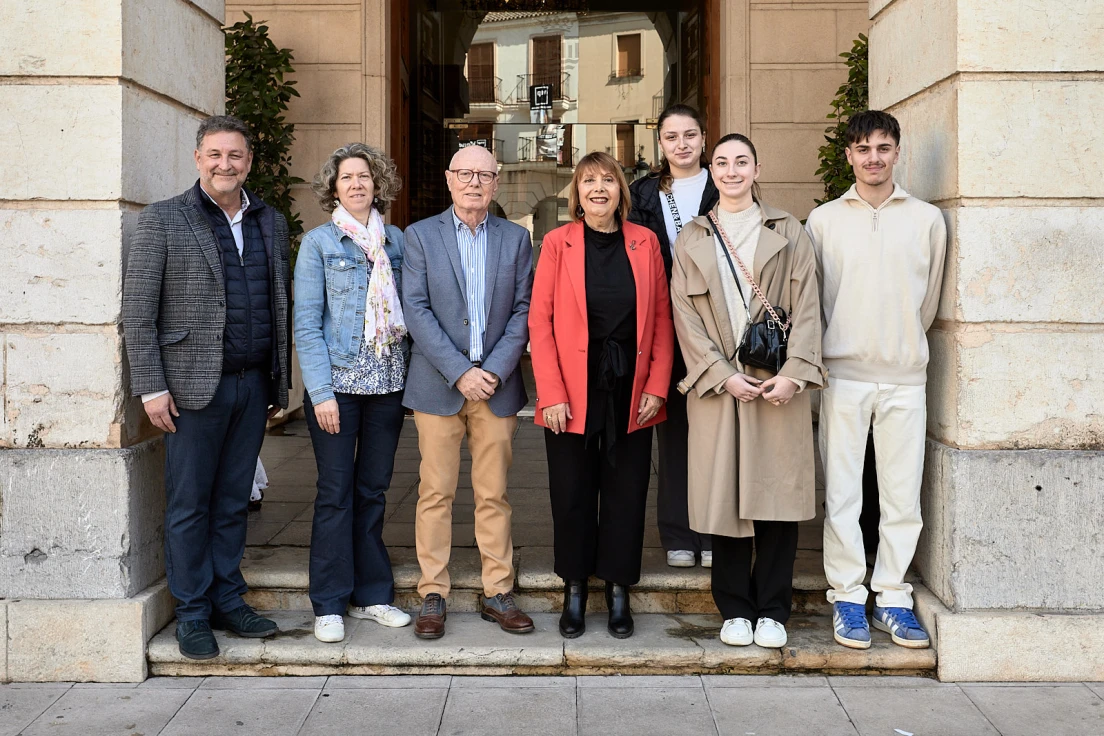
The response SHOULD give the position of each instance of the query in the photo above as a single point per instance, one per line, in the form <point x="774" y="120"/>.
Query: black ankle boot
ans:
<point x="573" y="618"/>
<point x="620" y="617"/>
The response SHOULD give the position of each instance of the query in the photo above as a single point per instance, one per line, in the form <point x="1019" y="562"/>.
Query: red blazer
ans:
<point x="558" y="335"/>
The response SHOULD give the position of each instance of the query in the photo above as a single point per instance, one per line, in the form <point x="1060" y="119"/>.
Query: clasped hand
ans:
<point x="477" y="384"/>
<point x="778" y="390"/>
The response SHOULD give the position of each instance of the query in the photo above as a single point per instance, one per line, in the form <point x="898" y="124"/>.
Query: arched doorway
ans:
<point x="540" y="84"/>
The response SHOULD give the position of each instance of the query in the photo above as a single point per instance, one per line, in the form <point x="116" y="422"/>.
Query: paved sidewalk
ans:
<point x="534" y="706"/>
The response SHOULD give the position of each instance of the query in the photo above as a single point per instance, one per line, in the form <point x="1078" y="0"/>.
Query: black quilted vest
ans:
<point x="247" y="339"/>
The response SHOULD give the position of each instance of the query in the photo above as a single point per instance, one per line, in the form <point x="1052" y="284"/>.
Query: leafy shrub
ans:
<point x="258" y="93"/>
<point x="852" y="97"/>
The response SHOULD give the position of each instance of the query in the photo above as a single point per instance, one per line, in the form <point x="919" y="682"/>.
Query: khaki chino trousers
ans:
<point x="490" y="440"/>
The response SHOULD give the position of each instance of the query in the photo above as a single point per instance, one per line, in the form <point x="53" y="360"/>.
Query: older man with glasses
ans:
<point x="467" y="278"/>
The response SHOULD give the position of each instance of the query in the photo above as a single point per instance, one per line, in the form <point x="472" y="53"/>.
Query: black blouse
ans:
<point x="611" y="323"/>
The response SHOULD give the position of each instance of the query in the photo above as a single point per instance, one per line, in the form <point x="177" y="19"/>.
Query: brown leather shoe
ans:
<point x="431" y="619"/>
<point x="503" y="611"/>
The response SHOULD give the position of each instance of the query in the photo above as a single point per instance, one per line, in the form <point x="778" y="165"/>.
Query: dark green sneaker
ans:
<point x="244" y="621"/>
<point x="196" y="640"/>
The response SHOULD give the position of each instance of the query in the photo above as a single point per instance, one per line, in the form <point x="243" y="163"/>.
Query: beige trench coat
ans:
<point x="755" y="460"/>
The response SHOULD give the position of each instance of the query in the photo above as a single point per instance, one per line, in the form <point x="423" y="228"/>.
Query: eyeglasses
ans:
<point x="465" y="175"/>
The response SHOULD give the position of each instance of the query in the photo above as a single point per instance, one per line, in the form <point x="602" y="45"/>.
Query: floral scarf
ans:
<point x="383" y="317"/>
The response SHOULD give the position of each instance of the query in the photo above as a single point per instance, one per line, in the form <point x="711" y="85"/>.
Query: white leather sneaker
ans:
<point x="707" y="558"/>
<point x="329" y="628"/>
<point x="770" y="634"/>
<point x="381" y="614"/>
<point x="680" y="558"/>
<point x="736" y="632"/>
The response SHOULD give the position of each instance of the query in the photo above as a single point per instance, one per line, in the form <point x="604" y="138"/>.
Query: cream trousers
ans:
<point x="899" y="416"/>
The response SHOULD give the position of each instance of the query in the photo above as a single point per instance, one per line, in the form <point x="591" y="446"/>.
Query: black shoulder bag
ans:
<point x="764" y="343"/>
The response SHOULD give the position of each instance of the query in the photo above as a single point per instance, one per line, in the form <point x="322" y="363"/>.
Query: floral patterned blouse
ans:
<point x="369" y="374"/>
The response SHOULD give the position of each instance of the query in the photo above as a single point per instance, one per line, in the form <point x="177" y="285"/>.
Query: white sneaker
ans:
<point x="736" y="632"/>
<point x="770" y="634"/>
<point x="680" y="558"/>
<point x="381" y="614"/>
<point x="707" y="558"/>
<point x="329" y="628"/>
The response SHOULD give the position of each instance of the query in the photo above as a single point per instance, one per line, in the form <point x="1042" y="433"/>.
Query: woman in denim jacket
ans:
<point x="353" y="350"/>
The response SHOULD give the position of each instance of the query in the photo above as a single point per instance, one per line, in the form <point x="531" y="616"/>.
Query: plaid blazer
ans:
<point x="174" y="301"/>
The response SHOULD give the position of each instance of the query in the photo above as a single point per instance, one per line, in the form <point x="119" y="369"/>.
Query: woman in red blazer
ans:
<point x="602" y="344"/>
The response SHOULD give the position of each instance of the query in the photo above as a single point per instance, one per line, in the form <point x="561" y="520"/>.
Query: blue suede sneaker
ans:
<point x="902" y="626"/>
<point x="851" y="628"/>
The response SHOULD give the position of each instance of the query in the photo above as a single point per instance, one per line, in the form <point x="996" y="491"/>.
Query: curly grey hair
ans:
<point x="385" y="176"/>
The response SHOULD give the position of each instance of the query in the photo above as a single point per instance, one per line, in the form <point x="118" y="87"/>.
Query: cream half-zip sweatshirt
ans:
<point x="880" y="272"/>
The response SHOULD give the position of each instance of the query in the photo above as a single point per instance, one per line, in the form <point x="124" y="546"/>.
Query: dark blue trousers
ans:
<point x="209" y="465"/>
<point x="348" y="560"/>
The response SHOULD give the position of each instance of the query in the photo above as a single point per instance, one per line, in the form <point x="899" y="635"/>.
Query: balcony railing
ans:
<point x="657" y="105"/>
<point x="485" y="90"/>
<point x="558" y="82"/>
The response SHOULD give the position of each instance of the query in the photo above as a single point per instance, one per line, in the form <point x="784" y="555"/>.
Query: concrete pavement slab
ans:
<point x="885" y="681"/>
<point x="1054" y="711"/>
<point x="529" y="711"/>
<point x="21" y="705"/>
<point x="237" y="712"/>
<point x="640" y="681"/>
<point x="764" y="681"/>
<point x="96" y="711"/>
<point x="917" y="710"/>
<point x="390" y="682"/>
<point x="179" y="683"/>
<point x="467" y="682"/>
<point x="788" y="711"/>
<point x="1096" y="687"/>
<point x="620" y="711"/>
<point x="413" y="712"/>
<point x="263" y="683"/>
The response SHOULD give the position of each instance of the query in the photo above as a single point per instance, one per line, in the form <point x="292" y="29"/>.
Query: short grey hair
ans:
<point x="223" y="124"/>
<point x="385" y="176"/>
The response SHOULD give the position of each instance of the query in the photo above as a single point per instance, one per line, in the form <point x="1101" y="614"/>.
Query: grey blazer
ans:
<point x="174" y="301"/>
<point x="436" y="314"/>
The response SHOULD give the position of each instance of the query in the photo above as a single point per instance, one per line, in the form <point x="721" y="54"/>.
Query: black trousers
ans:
<point x="765" y="589"/>
<point x="598" y="508"/>
<point x="671" y="502"/>
<point x="209" y="465"/>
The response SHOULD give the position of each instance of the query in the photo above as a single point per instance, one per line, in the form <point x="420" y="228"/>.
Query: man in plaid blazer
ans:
<point x="205" y="310"/>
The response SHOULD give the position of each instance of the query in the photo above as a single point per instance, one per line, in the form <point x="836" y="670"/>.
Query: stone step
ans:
<point x="278" y="580"/>
<point x="662" y="644"/>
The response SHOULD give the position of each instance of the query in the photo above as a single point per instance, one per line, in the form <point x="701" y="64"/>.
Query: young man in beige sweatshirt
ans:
<point x="880" y="259"/>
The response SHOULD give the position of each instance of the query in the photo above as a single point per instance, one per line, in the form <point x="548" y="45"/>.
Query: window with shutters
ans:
<point x="626" y="146"/>
<point x="548" y="63"/>
<point x="481" y="76"/>
<point x="628" y="57"/>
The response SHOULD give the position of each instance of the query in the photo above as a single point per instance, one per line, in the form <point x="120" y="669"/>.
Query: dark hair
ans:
<point x="607" y="164"/>
<point x="663" y="171"/>
<point x="756" y="193"/>
<point x="223" y="124"/>
<point x="864" y="124"/>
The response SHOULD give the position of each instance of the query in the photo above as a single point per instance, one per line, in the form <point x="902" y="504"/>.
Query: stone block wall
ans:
<point x="98" y="111"/>
<point x="1000" y="131"/>
<point x="340" y="59"/>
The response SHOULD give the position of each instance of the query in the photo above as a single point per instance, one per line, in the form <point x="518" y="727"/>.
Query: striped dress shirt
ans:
<point x="473" y="258"/>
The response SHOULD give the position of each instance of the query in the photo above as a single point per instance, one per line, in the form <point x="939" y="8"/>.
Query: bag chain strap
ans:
<point x="747" y="275"/>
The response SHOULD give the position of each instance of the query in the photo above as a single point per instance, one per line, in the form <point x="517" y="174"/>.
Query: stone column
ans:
<point x="98" y="112"/>
<point x="1000" y="109"/>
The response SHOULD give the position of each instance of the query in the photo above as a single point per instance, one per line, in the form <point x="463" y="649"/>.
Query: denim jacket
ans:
<point x="331" y="287"/>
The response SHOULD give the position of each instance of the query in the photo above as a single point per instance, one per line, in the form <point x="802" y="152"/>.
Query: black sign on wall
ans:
<point x="540" y="96"/>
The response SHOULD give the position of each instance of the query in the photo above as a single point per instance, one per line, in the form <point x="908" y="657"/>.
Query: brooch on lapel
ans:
<point x="632" y="245"/>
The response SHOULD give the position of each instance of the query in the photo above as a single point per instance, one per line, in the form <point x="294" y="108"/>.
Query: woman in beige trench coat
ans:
<point x="751" y="441"/>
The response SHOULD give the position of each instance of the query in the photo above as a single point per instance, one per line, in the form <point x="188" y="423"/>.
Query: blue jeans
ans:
<point x="348" y="560"/>
<point x="209" y="465"/>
